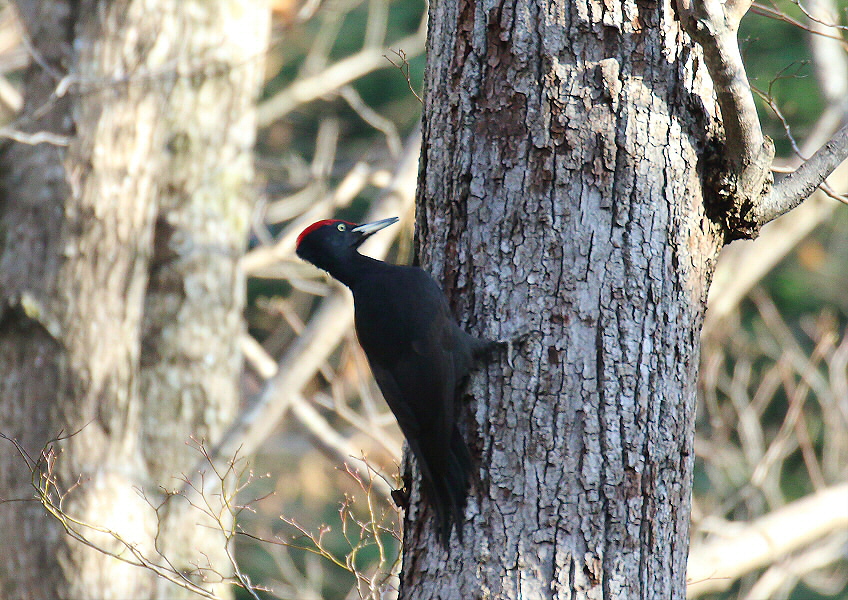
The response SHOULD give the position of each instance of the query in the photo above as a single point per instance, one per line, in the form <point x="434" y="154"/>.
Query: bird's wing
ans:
<point x="434" y="352"/>
<point x="402" y="408"/>
<point x="423" y="406"/>
<point x="419" y="388"/>
<point x="405" y="327"/>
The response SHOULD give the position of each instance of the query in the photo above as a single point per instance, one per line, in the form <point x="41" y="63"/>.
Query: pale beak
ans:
<point x="368" y="229"/>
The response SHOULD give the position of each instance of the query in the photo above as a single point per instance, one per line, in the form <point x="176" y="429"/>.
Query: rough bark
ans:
<point x="559" y="190"/>
<point x="120" y="297"/>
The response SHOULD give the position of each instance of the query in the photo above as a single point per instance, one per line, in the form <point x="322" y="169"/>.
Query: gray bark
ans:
<point x="120" y="296"/>
<point x="559" y="190"/>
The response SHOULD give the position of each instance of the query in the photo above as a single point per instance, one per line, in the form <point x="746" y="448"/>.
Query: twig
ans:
<point x="33" y="139"/>
<point x="778" y="15"/>
<point x="331" y="79"/>
<point x="403" y="67"/>
<point x="50" y="494"/>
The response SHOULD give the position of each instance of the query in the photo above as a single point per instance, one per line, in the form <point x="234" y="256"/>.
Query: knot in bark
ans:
<point x="733" y="192"/>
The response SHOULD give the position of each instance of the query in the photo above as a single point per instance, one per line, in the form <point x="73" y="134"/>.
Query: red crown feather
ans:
<point x="318" y="225"/>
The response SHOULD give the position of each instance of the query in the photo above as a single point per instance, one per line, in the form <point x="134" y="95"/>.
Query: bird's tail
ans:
<point x="446" y="481"/>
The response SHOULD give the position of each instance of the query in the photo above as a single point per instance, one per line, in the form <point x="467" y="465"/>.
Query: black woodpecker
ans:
<point x="418" y="354"/>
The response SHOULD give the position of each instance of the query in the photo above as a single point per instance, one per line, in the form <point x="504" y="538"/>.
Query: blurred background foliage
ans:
<point x="782" y="345"/>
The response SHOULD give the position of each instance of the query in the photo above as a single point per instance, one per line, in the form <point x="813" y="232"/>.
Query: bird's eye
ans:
<point x="341" y="226"/>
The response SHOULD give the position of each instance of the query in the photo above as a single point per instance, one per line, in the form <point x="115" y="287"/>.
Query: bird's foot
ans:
<point x="518" y="338"/>
<point x="522" y="334"/>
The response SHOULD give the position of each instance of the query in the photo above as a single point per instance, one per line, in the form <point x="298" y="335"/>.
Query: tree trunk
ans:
<point x="559" y="190"/>
<point x="120" y="294"/>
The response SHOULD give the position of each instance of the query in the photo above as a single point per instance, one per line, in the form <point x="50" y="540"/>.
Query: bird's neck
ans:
<point x="352" y="268"/>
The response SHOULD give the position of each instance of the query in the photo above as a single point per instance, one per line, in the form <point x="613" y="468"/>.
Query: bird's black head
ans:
<point x="332" y="244"/>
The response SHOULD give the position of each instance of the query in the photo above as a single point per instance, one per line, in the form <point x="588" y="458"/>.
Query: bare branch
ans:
<point x="33" y="139"/>
<point x="106" y="540"/>
<point x="334" y="77"/>
<point x="817" y="16"/>
<point x="743" y="174"/>
<point x="741" y="266"/>
<point x="773" y="13"/>
<point x="10" y="97"/>
<point x="373" y="118"/>
<point x="403" y="66"/>
<point x="793" y="189"/>
<point x="785" y="574"/>
<point x="378" y="18"/>
<point x="714" y="26"/>
<point x="329" y="437"/>
<point x="355" y="535"/>
<point x="748" y="154"/>
<point x="256" y="356"/>
<point x="715" y="564"/>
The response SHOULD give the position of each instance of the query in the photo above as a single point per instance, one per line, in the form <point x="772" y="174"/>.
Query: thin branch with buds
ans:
<point x="223" y="511"/>
<point x="380" y="524"/>
<point x="403" y="66"/>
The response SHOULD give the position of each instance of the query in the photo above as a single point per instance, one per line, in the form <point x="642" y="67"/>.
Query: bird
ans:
<point x="418" y="354"/>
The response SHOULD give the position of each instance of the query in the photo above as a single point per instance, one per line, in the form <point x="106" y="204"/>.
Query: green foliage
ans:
<point x="777" y="59"/>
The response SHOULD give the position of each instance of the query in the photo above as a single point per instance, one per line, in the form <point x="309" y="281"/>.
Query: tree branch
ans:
<point x="714" y="27"/>
<point x="746" y="180"/>
<point x="745" y="165"/>
<point x="742" y="266"/>
<point x="334" y="77"/>
<point x="715" y="564"/>
<point x="785" y="574"/>
<point x="35" y="138"/>
<point x="742" y="173"/>
<point x="790" y="191"/>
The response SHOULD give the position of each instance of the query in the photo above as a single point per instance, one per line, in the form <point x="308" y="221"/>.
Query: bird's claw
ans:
<point x="518" y="338"/>
<point x="520" y="335"/>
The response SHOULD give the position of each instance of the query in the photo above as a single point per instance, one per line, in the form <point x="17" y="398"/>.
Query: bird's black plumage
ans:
<point x="417" y="352"/>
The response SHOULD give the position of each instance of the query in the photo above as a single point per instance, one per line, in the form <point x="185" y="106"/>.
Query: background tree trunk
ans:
<point x="559" y="190"/>
<point x="120" y="294"/>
